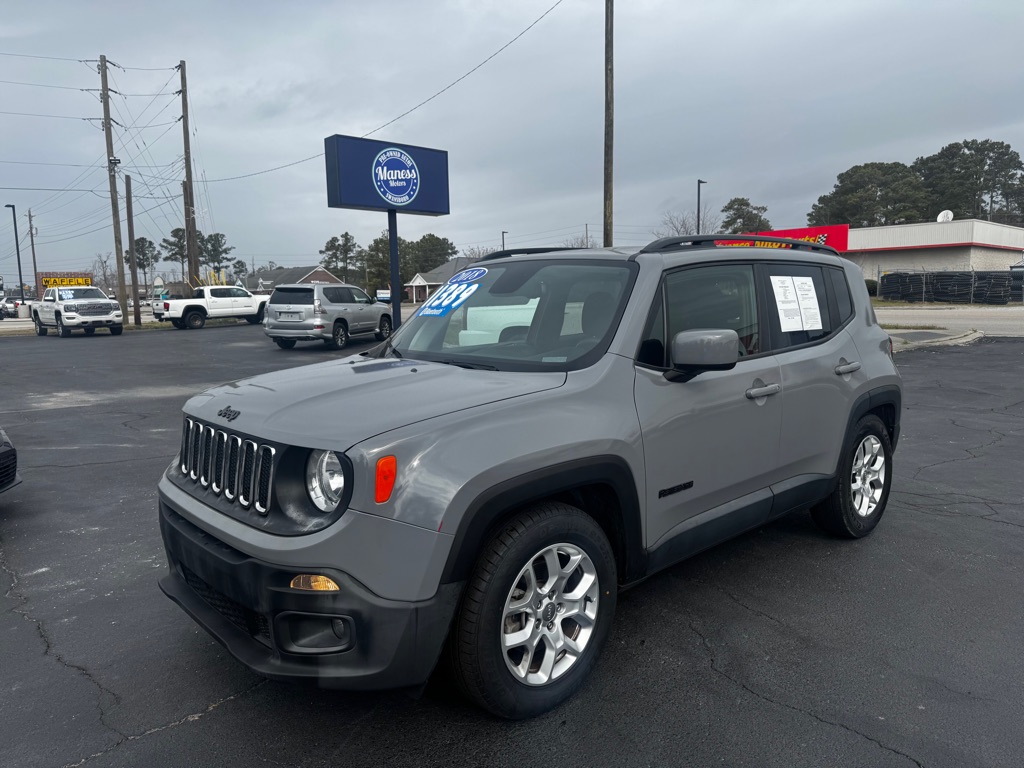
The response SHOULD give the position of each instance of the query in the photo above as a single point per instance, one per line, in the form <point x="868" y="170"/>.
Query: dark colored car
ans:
<point x="9" y="476"/>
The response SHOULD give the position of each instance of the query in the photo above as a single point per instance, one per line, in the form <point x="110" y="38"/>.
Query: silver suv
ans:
<point x="548" y="428"/>
<point x="329" y="313"/>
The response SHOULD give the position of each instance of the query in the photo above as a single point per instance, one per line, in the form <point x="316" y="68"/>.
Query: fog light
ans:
<point x="342" y="630"/>
<point x="314" y="583"/>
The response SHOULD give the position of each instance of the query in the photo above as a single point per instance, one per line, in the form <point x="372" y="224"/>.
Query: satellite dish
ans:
<point x="945" y="216"/>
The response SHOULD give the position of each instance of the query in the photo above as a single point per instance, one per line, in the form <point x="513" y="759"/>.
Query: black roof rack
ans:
<point x="710" y="241"/>
<point x="514" y="251"/>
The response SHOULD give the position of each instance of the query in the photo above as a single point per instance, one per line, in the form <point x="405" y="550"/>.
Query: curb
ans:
<point x="959" y="340"/>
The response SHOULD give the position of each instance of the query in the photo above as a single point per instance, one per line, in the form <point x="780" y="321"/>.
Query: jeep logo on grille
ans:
<point x="229" y="413"/>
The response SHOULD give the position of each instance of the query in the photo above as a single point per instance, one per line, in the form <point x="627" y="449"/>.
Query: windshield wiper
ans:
<point x="389" y="346"/>
<point x="471" y="366"/>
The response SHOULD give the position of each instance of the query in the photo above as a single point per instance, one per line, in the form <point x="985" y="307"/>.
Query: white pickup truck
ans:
<point x="210" y="301"/>
<point x="73" y="308"/>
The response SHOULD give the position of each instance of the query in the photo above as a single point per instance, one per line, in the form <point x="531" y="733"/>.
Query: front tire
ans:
<point x="536" y="612"/>
<point x="62" y="330"/>
<point x="865" y="477"/>
<point x="40" y="328"/>
<point x="285" y="343"/>
<point x="384" y="330"/>
<point x="116" y="330"/>
<point x="195" y="320"/>
<point x="339" y="337"/>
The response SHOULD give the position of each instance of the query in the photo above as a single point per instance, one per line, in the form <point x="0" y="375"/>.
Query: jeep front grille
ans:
<point x="240" y="469"/>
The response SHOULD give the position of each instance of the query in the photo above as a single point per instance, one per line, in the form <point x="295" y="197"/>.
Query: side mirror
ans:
<point x="694" y="352"/>
<point x="49" y="298"/>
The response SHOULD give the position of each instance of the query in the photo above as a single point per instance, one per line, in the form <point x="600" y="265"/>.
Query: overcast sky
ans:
<point x="763" y="99"/>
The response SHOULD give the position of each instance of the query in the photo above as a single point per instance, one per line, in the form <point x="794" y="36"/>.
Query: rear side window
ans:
<point x="798" y="310"/>
<point x="292" y="296"/>
<point x="338" y="295"/>
<point x="842" y="292"/>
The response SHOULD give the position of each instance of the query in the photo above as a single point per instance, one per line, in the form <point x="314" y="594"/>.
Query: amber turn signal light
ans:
<point x="387" y="472"/>
<point x="312" y="583"/>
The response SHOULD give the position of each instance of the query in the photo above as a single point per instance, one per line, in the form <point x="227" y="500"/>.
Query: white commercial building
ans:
<point x="953" y="246"/>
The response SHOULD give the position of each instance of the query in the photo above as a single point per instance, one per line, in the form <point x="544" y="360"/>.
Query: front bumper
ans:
<point x="103" y="321"/>
<point x="246" y="604"/>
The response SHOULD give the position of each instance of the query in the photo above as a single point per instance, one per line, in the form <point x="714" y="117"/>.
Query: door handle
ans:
<point x="769" y="389"/>
<point x="844" y="368"/>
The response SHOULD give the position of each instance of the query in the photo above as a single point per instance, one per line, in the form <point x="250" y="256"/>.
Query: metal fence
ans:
<point x="962" y="287"/>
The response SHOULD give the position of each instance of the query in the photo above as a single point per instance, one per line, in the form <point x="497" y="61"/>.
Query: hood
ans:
<point x="338" y="404"/>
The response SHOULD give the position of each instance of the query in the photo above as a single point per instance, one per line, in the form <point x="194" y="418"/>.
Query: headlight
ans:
<point x="325" y="480"/>
<point x="70" y="307"/>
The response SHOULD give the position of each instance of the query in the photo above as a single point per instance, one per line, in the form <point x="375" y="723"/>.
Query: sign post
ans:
<point x="368" y="175"/>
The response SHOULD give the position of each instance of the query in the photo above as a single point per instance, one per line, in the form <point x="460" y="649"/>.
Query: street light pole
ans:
<point x="699" y="182"/>
<point x="17" y="249"/>
<point x="503" y="233"/>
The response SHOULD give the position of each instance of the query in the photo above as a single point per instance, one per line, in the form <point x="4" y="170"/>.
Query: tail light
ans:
<point x="318" y="308"/>
<point x="167" y="306"/>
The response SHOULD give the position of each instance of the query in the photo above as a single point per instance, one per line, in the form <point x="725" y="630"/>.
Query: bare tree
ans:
<point x="103" y="272"/>
<point x="476" y="252"/>
<point x="677" y="224"/>
<point x="581" y="241"/>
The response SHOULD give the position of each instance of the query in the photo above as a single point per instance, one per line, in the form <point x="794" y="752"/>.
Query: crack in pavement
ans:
<point x="127" y="738"/>
<point x="740" y="684"/>
<point x="931" y="511"/>
<point x="164" y="457"/>
<point x="969" y="450"/>
<point x="49" y="649"/>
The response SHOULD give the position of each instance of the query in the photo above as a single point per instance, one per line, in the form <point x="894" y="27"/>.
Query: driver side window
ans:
<point x="719" y="296"/>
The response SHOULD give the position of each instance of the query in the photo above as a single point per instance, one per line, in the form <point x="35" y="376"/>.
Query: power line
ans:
<point x="46" y="85"/>
<point x="474" y="69"/>
<point x="407" y="112"/>
<point x="51" y="58"/>
<point x="47" y="189"/>
<point x="58" y="117"/>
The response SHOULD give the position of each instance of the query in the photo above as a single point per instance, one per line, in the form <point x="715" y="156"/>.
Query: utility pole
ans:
<point x="609" y="121"/>
<point x="32" y="239"/>
<point x="191" y="240"/>
<point x="131" y="250"/>
<point x="186" y="268"/>
<point x="112" y="163"/>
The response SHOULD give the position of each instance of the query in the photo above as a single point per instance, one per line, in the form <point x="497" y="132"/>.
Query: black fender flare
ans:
<point x="874" y="400"/>
<point x="502" y="500"/>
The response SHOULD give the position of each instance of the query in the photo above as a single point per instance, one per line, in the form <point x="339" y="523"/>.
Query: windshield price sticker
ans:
<point x="452" y="296"/>
<point x="67" y="295"/>
<point x="797" y="302"/>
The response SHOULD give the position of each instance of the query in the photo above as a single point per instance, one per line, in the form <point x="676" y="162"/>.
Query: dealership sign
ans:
<point x="834" y="236"/>
<point x="380" y="176"/>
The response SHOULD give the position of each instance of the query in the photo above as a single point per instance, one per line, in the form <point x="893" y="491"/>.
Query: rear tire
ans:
<point x="285" y="343"/>
<point x="195" y="319"/>
<point x="536" y="612"/>
<point x="339" y="336"/>
<point x="62" y="330"/>
<point x="116" y="330"/>
<point x="255" y="319"/>
<point x="41" y="329"/>
<point x="865" y="477"/>
<point x="384" y="329"/>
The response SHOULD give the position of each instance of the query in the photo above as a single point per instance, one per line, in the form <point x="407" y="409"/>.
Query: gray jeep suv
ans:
<point x="549" y="427"/>
<point x="330" y="313"/>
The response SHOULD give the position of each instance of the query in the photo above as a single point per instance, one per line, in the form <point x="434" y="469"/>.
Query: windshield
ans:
<point x="72" y="294"/>
<point x="525" y="315"/>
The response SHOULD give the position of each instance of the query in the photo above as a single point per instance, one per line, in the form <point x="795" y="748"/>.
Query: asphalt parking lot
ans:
<point x="780" y="648"/>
